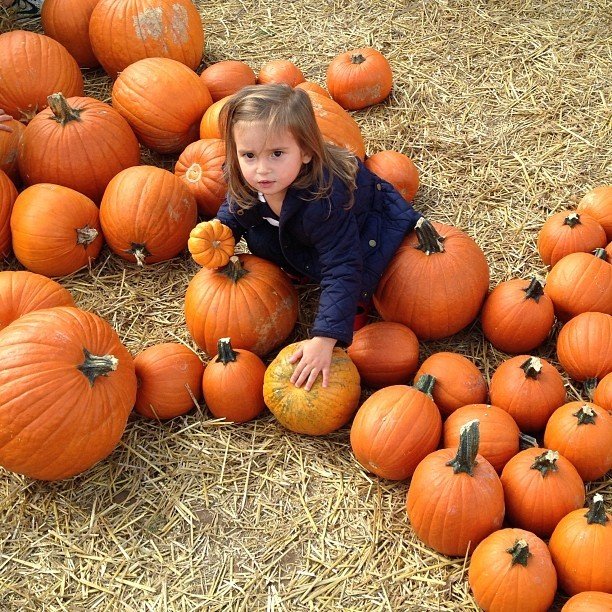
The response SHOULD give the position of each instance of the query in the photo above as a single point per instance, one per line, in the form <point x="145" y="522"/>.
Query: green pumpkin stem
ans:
<point x="546" y="462"/>
<point x="63" y="113"/>
<point x="429" y="240"/>
<point x="520" y="552"/>
<point x="469" y="439"/>
<point x="597" y="511"/>
<point x="526" y="441"/>
<point x="234" y="270"/>
<point x="225" y="352"/>
<point x="139" y="251"/>
<point x="86" y="235"/>
<point x="585" y="415"/>
<point x="425" y="383"/>
<point x="534" y="291"/>
<point x="95" y="365"/>
<point x="532" y="367"/>
<point x="573" y="219"/>
<point x="601" y="253"/>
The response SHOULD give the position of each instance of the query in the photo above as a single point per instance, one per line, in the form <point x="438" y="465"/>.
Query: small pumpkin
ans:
<point x="598" y="204"/>
<point x="8" y="195"/>
<point x="233" y="383"/>
<point x="9" y="147"/>
<point x="211" y="244"/>
<point x="322" y="409"/>
<point x="227" y="77"/>
<point x="395" y="428"/>
<point x="280" y="71"/>
<point x="589" y="601"/>
<point x="603" y="393"/>
<point x="169" y="379"/>
<point x="397" y="169"/>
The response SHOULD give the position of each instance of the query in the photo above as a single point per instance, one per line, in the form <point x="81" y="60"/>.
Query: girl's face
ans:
<point x="269" y="162"/>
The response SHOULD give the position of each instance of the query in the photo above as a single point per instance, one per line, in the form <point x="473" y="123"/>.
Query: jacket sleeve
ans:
<point x="227" y="217"/>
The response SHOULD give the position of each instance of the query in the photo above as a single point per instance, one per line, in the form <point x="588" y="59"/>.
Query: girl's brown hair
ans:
<point x="284" y="108"/>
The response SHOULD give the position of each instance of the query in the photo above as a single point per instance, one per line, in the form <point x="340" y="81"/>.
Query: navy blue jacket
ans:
<point x="346" y="251"/>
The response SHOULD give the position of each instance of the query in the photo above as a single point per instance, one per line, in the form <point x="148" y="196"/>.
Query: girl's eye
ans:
<point x="248" y="155"/>
<point x="277" y="153"/>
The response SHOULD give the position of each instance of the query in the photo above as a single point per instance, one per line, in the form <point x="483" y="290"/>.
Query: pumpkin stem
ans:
<point x="425" y="383"/>
<point x="597" y="512"/>
<point x="86" y="235"/>
<point x="589" y="386"/>
<point x="520" y="552"/>
<point x="573" y="219"/>
<point x="225" y="352"/>
<point x="469" y="439"/>
<point x="234" y="270"/>
<point x="532" y="367"/>
<point x="535" y="290"/>
<point x="526" y="441"/>
<point x="429" y="240"/>
<point x="357" y="59"/>
<point x="139" y="251"/>
<point x="546" y="462"/>
<point x="585" y="415"/>
<point x="601" y="253"/>
<point x="63" y="113"/>
<point x="95" y="365"/>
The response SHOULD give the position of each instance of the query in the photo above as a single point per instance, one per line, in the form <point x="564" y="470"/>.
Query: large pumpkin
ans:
<point x="151" y="95"/>
<point x="80" y="143"/>
<point x="33" y="67"/>
<point x="598" y="204"/>
<point x="435" y="283"/>
<point x="9" y="147"/>
<point x="146" y="214"/>
<point x="125" y="31"/>
<point x="85" y="388"/>
<point x="250" y="300"/>
<point x="8" y="195"/>
<point x="397" y="169"/>
<point x="227" y="77"/>
<point x="322" y="409"/>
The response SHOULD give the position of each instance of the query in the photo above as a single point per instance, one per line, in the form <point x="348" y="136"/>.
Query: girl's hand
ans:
<point x="314" y="357"/>
<point x="5" y="117"/>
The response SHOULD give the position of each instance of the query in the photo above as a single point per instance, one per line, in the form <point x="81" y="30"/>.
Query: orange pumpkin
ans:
<point x="397" y="169"/>
<point x="9" y="146"/>
<point x="280" y="71"/>
<point x="603" y="393"/>
<point x="589" y="601"/>
<point x="210" y="125"/>
<point x="311" y="86"/>
<point x="598" y="204"/>
<point x="8" y="195"/>
<point x="211" y="244"/>
<point x="322" y="409"/>
<point x="227" y="77"/>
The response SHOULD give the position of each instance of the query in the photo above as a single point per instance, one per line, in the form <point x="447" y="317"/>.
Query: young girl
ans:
<point x="310" y="207"/>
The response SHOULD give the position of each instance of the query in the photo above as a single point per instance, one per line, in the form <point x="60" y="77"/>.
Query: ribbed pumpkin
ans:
<point x="251" y="300"/>
<point x="8" y="195"/>
<point x="336" y="125"/>
<point x="359" y="78"/>
<point x="581" y="282"/>
<point x="603" y="393"/>
<point x="57" y="146"/>
<point x="280" y="71"/>
<point x="569" y="232"/>
<point x="210" y="126"/>
<point x="33" y="67"/>
<point x="22" y="292"/>
<point x="397" y="169"/>
<point x="67" y="21"/>
<point x="233" y="383"/>
<point x="581" y="549"/>
<point x="420" y="286"/>
<point x="55" y="230"/>
<point x="540" y="488"/>
<point x="227" y="77"/>
<point x="211" y="244"/>
<point x="322" y="409"/>
<point x="9" y="146"/>
<point x="499" y="434"/>
<point x="85" y="388"/>
<point x="582" y="433"/>
<point x="395" y="428"/>
<point x="385" y="353"/>
<point x="125" y="31"/>
<point x="455" y="498"/>
<point x="169" y="379"/>
<point x="517" y="316"/>
<point x="598" y="204"/>
<point x="199" y="166"/>
<point x="511" y="570"/>
<point x="529" y="388"/>
<point x="150" y="95"/>
<point x="146" y="214"/>
<point x="458" y="381"/>
<point x="589" y="601"/>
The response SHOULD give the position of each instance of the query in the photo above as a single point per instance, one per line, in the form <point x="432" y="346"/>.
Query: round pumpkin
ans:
<point x="385" y="353"/>
<point x="250" y="300"/>
<point x="589" y="601"/>
<point x="150" y="95"/>
<point x="458" y="381"/>
<point x="455" y="498"/>
<point x="169" y="379"/>
<point x="419" y="288"/>
<point x="359" y="78"/>
<point x="233" y="383"/>
<point x="227" y="77"/>
<point x="58" y="146"/>
<point x="55" y="230"/>
<point x="125" y="31"/>
<point x="33" y="67"/>
<point x="210" y="125"/>
<point x="397" y="169"/>
<point x="85" y="388"/>
<point x="22" y="292"/>
<point x="200" y="167"/>
<point x="540" y="488"/>
<point x="395" y="428"/>
<point x="280" y="71"/>
<point x="511" y="569"/>
<point x="581" y="549"/>
<point x="517" y="316"/>
<point x="134" y="198"/>
<point x="9" y="147"/>
<point x="67" y="21"/>
<point x="322" y="409"/>
<point x="603" y="393"/>
<point x="582" y="433"/>
<point x="598" y="204"/>
<point x="8" y="195"/>
<point x="529" y="388"/>
<point x="311" y="86"/>
<point x="211" y="244"/>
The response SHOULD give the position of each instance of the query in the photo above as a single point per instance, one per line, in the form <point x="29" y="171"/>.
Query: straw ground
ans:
<point x="505" y="109"/>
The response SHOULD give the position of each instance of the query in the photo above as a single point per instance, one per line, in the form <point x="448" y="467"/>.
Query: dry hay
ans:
<point x="505" y="108"/>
